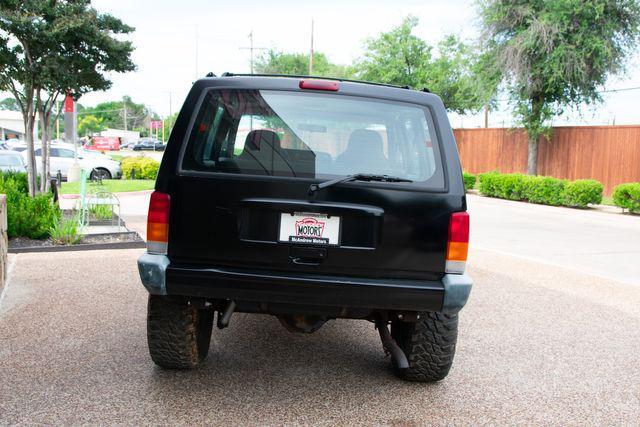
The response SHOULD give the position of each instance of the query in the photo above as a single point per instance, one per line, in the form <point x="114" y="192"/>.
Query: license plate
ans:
<point x="313" y="228"/>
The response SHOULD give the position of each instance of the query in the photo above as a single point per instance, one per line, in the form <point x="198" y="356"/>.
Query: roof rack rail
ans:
<point x="228" y="74"/>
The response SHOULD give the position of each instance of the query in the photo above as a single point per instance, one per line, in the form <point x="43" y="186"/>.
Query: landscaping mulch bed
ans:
<point x="121" y="240"/>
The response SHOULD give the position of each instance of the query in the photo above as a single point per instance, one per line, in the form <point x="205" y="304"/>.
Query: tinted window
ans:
<point x="312" y="135"/>
<point x="65" y="153"/>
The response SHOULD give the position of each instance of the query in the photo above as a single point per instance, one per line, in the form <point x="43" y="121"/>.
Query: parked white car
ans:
<point x="61" y="158"/>
<point x="12" y="161"/>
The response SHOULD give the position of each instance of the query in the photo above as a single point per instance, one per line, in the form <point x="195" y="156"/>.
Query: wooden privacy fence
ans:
<point x="610" y="154"/>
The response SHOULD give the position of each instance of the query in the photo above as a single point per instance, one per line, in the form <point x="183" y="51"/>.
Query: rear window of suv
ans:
<point x="312" y="135"/>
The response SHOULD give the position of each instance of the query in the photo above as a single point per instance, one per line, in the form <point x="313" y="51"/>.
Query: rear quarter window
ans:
<point x="312" y="135"/>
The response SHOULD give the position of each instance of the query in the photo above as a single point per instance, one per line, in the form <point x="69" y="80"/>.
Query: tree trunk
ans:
<point x="532" y="156"/>
<point x="486" y="115"/>
<point x="44" y="132"/>
<point x="32" y="169"/>
<point x="535" y="119"/>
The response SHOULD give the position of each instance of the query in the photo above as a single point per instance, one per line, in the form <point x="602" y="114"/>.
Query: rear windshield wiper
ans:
<point x="313" y="188"/>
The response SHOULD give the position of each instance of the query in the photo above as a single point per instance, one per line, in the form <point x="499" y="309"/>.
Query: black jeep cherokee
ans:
<point x="309" y="199"/>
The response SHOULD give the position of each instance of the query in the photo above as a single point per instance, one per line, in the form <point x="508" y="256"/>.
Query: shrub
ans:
<point x="487" y="184"/>
<point x="545" y="190"/>
<point x="504" y="186"/>
<point x="66" y="231"/>
<point x="14" y="181"/>
<point x="627" y="196"/>
<point x="512" y="186"/>
<point x="27" y="216"/>
<point x="31" y="217"/>
<point x="582" y="192"/>
<point x="144" y="167"/>
<point x="469" y="181"/>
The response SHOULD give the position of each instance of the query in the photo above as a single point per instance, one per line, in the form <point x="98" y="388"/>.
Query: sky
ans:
<point x="179" y="41"/>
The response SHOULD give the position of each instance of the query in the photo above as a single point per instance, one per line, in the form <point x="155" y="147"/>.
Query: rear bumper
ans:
<point x="447" y="295"/>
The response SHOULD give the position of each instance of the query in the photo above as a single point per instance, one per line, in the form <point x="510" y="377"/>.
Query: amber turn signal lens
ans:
<point x="457" y="251"/>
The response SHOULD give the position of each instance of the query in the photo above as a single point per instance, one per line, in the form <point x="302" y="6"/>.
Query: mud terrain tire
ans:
<point x="178" y="333"/>
<point x="429" y="344"/>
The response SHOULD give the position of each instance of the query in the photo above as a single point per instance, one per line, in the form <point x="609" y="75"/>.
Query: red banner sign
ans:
<point x="156" y="124"/>
<point x="104" y="143"/>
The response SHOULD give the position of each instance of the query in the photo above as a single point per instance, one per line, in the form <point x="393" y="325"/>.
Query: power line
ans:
<point x="251" y="48"/>
<point x="624" y="89"/>
<point x="620" y="90"/>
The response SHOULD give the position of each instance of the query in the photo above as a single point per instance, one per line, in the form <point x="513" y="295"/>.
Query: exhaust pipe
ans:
<point x="225" y="317"/>
<point x="390" y="345"/>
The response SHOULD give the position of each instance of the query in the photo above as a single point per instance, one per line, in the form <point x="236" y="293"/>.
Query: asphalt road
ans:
<point x="538" y="344"/>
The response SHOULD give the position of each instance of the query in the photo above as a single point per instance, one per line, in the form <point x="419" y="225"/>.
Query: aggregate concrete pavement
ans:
<point x="538" y="344"/>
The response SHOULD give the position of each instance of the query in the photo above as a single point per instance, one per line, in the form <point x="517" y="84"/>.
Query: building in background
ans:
<point x="127" y="137"/>
<point x="12" y="126"/>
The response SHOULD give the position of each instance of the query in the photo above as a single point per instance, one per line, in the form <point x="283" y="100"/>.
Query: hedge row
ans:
<point x="27" y="216"/>
<point x="469" y="181"/>
<point x="627" y="196"/>
<point x="541" y="189"/>
<point x="142" y="167"/>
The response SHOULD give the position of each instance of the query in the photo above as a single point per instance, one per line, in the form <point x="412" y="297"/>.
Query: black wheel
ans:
<point x="100" y="173"/>
<point x="429" y="343"/>
<point x="178" y="333"/>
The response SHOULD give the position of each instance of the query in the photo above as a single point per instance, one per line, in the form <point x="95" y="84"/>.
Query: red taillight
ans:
<point x="459" y="227"/>
<point x="458" y="243"/>
<point x="316" y="84"/>
<point x="158" y="222"/>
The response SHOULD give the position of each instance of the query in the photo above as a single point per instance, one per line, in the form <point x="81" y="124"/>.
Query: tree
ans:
<point x="89" y="124"/>
<point x="556" y="54"/>
<point x="276" y="62"/>
<point x="399" y="57"/>
<point x="48" y="48"/>
<point x="113" y="115"/>
<point x="9" y="104"/>
<point x="168" y="126"/>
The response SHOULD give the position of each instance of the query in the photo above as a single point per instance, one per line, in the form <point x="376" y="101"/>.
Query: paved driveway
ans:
<point x="599" y="243"/>
<point x="538" y="344"/>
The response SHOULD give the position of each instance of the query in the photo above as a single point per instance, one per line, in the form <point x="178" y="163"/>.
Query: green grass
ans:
<point x="117" y="157"/>
<point x="112" y="185"/>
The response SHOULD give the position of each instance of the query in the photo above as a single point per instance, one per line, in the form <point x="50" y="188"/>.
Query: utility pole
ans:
<point x="311" y="52"/>
<point x="197" y="53"/>
<point x="251" y="48"/>
<point x="124" y="102"/>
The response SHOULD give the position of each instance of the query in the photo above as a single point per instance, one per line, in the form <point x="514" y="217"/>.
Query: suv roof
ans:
<point x="301" y="76"/>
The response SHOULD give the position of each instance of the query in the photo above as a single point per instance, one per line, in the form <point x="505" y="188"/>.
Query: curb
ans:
<point x="119" y="194"/>
<point x="81" y="247"/>
<point x="607" y="209"/>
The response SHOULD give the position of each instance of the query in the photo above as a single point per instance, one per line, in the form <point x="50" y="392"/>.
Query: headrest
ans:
<point x="364" y="139"/>
<point x="256" y="138"/>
